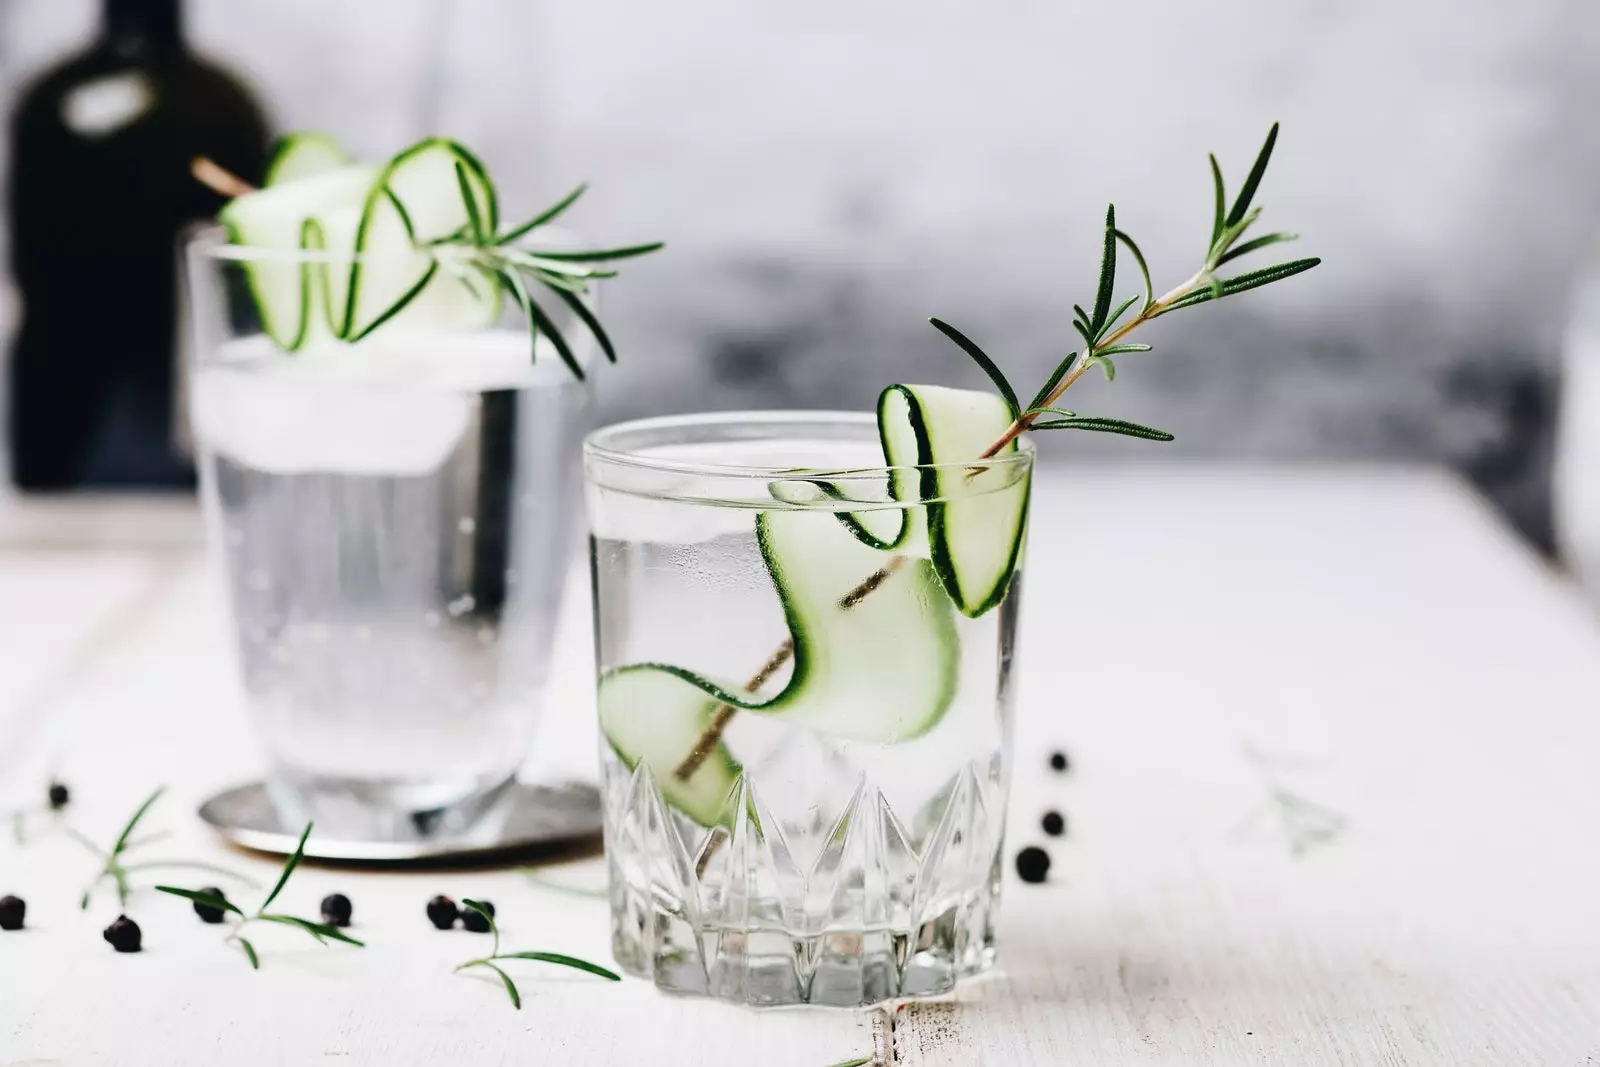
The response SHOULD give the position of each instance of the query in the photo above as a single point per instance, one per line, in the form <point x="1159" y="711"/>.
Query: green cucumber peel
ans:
<point x="419" y="244"/>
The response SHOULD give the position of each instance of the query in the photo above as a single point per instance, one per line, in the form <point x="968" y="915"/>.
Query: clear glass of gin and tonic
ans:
<point x="804" y="745"/>
<point x="395" y="519"/>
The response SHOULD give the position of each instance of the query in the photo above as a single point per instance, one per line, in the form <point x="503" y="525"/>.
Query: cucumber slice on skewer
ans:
<point x="976" y="516"/>
<point x="973" y="523"/>
<point x="433" y="191"/>
<point x="883" y="670"/>
<point x="655" y="717"/>
<point x="290" y="218"/>
<point x="882" y="528"/>
<point x="304" y="155"/>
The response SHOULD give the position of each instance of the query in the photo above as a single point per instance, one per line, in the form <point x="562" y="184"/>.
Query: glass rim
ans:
<point x="596" y="447"/>
<point x="212" y="241"/>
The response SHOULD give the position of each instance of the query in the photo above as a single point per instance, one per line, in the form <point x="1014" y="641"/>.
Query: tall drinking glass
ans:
<point x="394" y="519"/>
<point x="804" y="746"/>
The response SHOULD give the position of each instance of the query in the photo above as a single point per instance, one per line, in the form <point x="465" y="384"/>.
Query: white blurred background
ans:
<point x="828" y="175"/>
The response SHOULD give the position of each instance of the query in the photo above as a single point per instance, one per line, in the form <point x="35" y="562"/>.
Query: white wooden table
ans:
<point x="1376" y="634"/>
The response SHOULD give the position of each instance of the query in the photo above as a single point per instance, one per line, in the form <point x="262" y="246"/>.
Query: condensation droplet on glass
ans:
<point x="467" y="524"/>
<point x="461" y="605"/>
<point x="431" y="618"/>
<point x="257" y="581"/>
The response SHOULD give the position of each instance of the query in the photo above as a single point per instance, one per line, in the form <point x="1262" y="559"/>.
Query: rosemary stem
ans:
<point x="1150" y="311"/>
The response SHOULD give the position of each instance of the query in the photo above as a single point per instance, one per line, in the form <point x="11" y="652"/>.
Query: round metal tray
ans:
<point x="539" y="820"/>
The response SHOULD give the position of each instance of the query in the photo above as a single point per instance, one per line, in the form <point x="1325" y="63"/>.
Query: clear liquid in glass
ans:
<point x="394" y="523"/>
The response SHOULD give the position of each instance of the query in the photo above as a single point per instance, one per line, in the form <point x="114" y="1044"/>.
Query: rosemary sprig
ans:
<point x="56" y="799"/>
<point x="535" y="877"/>
<point x="489" y="962"/>
<point x="498" y="259"/>
<point x="475" y="257"/>
<point x="118" y="872"/>
<point x="323" y="932"/>
<point x="1103" y="328"/>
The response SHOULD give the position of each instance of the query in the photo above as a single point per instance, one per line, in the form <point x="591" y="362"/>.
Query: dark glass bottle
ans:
<point x="99" y="192"/>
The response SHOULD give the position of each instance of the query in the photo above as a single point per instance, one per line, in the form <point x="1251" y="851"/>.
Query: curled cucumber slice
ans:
<point x="976" y="516"/>
<point x="434" y="191"/>
<point x="293" y="217"/>
<point x="653" y="715"/>
<point x="973" y="522"/>
<point x="304" y="155"/>
<point x="883" y="670"/>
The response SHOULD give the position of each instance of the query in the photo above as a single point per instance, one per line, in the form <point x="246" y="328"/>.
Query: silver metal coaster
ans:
<point x="558" y="818"/>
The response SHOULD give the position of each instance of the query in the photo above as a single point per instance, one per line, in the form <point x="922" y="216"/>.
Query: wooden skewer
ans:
<point x="218" y="179"/>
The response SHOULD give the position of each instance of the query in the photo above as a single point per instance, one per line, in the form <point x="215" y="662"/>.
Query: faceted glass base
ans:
<point x="735" y="912"/>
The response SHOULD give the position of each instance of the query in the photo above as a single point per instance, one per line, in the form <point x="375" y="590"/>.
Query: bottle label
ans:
<point x="101" y="107"/>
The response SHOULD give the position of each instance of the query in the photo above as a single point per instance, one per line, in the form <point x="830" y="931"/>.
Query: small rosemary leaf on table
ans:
<point x="549" y="214"/>
<point x="988" y="365"/>
<point x="190" y="865"/>
<point x="289" y="866"/>
<point x="864" y="1061"/>
<point x="505" y="980"/>
<point x="210" y="900"/>
<point x="315" y="929"/>
<point x="127" y="831"/>
<point x="488" y="917"/>
<point x="250" y="954"/>
<point x="564" y="961"/>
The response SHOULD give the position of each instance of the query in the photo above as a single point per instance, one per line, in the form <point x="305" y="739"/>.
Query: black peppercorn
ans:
<point x="58" y="795"/>
<point x="336" y="909"/>
<point x="1033" y="863"/>
<point x="442" y="912"/>
<point x="207" y="913"/>
<point x="124" y="935"/>
<point x="12" y="911"/>
<point x="1058" y="761"/>
<point x="472" y="919"/>
<point x="1053" y="823"/>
